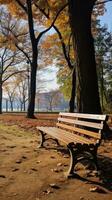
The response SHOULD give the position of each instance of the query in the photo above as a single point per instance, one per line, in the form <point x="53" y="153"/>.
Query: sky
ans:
<point x="107" y="17"/>
<point x="49" y="80"/>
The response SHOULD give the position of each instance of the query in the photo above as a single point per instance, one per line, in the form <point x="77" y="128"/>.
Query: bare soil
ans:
<point x="29" y="173"/>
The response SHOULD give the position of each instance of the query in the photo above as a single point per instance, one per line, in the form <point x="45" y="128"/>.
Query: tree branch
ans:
<point x="63" y="47"/>
<point x="42" y="10"/>
<point x="12" y="55"/>
<point x="106" y="1"/>
<point x="22" y="6"/>
<point x="26" y="55"/>
<point x="17" y="72"/>
<point x="4" y="52"/>
<point x="21" y="34"/>
<point x="10" y="64"/>
<point x="69" y="48"/>
<point x="43" y="32"/>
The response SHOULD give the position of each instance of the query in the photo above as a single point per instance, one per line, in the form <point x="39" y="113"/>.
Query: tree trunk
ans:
<point x="11" y="103"/>
<point x="50" y="105"/>
<point x="6" y="105"/>
<point x="21" y="107"/>
<point x="32" y="93"/>
<point x="0" y="98"/>
<point x="73" y="92"/>
<point x="87" y="83"/>
<point x="24" y="103"/>
<point x="24" y="106"/>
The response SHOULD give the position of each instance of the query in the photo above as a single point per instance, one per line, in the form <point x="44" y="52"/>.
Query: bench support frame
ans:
<point x="76" y="150"/>
<point x="43" y="139"/>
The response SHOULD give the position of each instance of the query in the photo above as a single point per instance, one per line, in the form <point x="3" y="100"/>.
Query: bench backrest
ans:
<point x="85" y="125"/>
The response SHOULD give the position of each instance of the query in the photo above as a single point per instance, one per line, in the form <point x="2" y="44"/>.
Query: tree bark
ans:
<point x="31" y="106"/>
<point x="87" y="83"/>
<point x="0" y="98"/>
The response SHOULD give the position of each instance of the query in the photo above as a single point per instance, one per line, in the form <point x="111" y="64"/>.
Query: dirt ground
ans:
<point x="29" y="173"/>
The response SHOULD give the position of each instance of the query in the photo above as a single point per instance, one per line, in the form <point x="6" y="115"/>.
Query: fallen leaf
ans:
<point x="2" y="176"/>
<point x="59" y="164"/>
<point x="33" y="169"/>
<point x="15" y="169"/>
<point x="24" y="157"/>
<point x="53" y="157"/>
<point x="47" y="191"/>
<point x="97" y="189"/>
<point x="18" y="161"/>
<point x="54" y="185"/>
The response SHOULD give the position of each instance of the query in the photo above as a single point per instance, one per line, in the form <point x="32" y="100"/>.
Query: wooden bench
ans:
<point x="81" y="133"/>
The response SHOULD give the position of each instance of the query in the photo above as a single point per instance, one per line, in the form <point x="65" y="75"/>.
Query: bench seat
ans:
<point x="66" y="136"/>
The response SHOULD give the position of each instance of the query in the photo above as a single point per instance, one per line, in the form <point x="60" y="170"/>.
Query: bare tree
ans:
<point x="8" y="68"/>
<point x="22" y="90"/>
<point x="10" y="91"/>
<point x="52" y="99"/>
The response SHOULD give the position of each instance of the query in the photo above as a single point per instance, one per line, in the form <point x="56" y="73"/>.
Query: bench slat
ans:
<point x="71" y="121"/>
<point x="77" y="138"/>
<point x="79" y="130"/>
<point x="83" y="123"/>
<point x="50" y="131"/>
<point x="85" y="116"/>
<point x="65" y="136"/>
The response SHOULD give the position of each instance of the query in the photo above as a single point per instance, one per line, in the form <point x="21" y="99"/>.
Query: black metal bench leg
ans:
<point x="42" y="140"/>
<point x="94" y="153"/>
<point x="71" y="172"/>
<point x="57" y="142"/>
